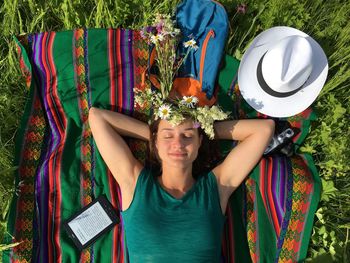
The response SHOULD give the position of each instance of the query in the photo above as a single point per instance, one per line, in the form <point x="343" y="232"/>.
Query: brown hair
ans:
<point x="208" y="153"/>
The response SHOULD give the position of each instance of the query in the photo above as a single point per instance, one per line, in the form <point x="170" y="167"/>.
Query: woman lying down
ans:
<point x="173" y="210"/>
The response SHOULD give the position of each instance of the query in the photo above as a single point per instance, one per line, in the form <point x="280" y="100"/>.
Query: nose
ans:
<point x="178" y="142"/>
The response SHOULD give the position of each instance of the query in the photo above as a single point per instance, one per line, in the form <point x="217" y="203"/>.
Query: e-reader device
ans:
<point x="95" y="219"/>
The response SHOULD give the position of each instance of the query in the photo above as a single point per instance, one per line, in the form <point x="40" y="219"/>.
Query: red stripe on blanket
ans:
<point x="116" y="102"/>
<point x="114" y="201"/>
<point x="56" y="156"/>
<point x="118" y="255"/>
<point x="269" y="190"/>
<point x="59" y="154"/>
<point x="50" y="170"/>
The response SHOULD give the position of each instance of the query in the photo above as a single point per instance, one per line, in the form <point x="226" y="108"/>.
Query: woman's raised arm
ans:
<point x="254" y="136"/>
<point x="107" y="128"/>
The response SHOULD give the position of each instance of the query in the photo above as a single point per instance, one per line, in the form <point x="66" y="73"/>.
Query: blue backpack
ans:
<point x="206" y="21"/>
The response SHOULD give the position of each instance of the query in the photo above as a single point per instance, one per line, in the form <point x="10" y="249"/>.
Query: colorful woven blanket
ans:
<point x="60" y="170"/>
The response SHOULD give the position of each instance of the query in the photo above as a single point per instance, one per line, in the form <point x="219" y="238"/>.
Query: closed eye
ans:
<point x="188" y="135"/>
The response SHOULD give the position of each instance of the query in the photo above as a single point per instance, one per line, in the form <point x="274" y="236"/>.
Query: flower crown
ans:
<point x="163" y="102"/>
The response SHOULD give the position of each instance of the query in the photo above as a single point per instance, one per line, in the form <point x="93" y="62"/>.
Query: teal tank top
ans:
<point x="161" y="228"/>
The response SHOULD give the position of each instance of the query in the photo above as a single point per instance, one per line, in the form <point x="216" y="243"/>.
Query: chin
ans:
<point x="180" y="162"/>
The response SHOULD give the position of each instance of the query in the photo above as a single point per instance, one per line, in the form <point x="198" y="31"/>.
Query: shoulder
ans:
<point x="141" y="186"/>
<point x="145" y="179"/>
<point x="145" y="174"/>
<point x="208" y="179"/>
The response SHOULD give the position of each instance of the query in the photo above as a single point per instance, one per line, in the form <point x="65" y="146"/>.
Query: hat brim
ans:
<point x="265" y="103"/>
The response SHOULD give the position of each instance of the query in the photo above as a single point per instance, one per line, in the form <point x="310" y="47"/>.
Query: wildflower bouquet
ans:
<point x="165" y="103"/>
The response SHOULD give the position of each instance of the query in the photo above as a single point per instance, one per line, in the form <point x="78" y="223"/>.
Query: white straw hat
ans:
<point x="282" y="72"/>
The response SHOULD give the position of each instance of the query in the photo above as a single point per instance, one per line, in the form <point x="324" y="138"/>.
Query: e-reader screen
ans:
<point x="91" y="222"/>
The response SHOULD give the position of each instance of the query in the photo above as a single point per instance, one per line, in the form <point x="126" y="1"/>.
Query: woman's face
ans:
<point x="177" y="146"/>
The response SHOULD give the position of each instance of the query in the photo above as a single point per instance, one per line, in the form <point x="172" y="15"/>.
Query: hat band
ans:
<point x="267" y="88"/>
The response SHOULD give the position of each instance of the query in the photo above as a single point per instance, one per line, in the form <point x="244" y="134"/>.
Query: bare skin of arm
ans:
<point x="107" y="128"/>
<point x="253" y="135"/>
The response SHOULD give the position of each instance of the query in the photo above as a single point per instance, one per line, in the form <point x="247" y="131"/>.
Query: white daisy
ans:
<point x="156" y="38"/>
<point x="189" y="101"/>
<point x="191" y="43"/>
<point x="164" y="111"/>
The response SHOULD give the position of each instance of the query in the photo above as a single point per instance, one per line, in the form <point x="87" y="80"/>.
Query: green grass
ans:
<point x="326" y="21"/>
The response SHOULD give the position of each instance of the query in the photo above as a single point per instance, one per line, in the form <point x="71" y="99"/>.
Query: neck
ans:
<point x="177" y="178"/>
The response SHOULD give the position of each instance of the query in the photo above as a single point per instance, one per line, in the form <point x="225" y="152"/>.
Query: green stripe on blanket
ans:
<point x="269" y="217"/>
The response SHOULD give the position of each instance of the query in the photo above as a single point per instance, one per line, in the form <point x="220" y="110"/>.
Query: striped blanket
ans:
<point x="60" y="170"/>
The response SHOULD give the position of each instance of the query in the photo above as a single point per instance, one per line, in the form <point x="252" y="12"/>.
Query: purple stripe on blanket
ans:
<point x="131" y="71"/>
<point x="276" y="180"/>
<point x="41" y="183"/>
<point x="45" y="78"/>
<point x="122" y="50"/>
<point x="282" y="192"/>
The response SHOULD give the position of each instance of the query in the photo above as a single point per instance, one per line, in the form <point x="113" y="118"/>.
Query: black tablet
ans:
<point x="95" y="219"/>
